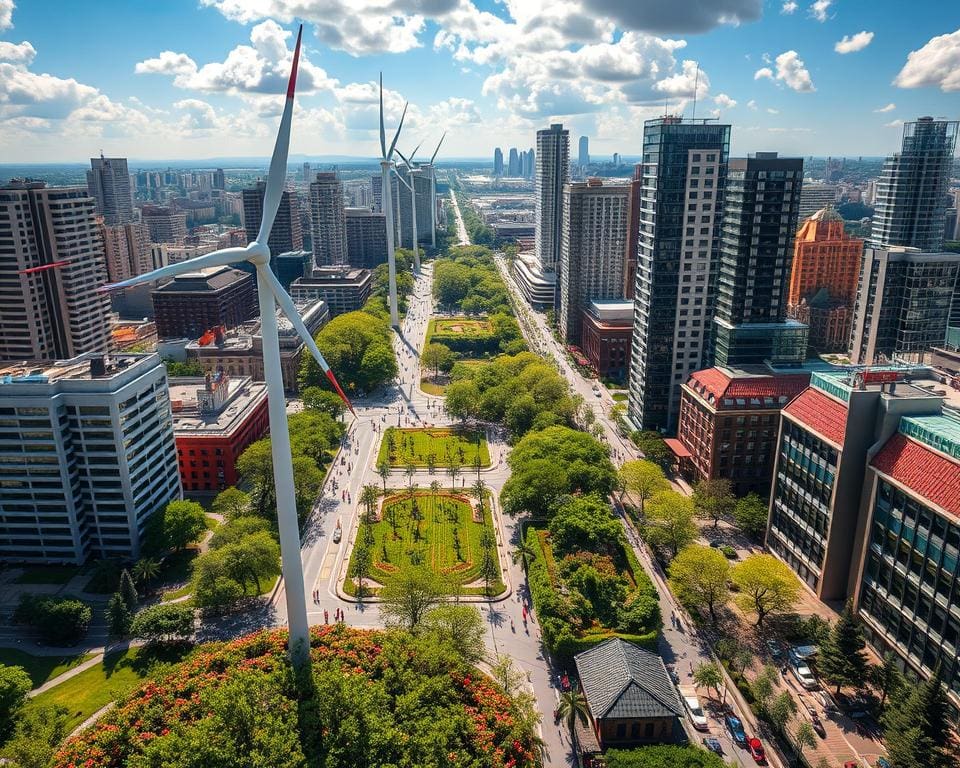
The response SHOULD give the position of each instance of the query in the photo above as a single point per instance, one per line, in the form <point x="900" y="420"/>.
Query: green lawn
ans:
<point x="444" y="520"/>
<point x="117" y="675"/>
<point x="41" y="668"/>
<point x="430" y="388"/>
<point x="461" y="325"/>
<point x="47" y="574"/>
<point x="416" y="446"/>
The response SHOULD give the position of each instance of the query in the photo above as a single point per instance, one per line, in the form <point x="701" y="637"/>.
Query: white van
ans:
<point x="694" y="710"/>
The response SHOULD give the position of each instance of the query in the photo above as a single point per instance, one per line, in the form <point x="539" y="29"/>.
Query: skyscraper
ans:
<point x="761" y="200"/>
<point x="219" y="179"/>
<point x="51" y="265"/>
<point x="498" y="162"/>
<point x="287" y="232"/>
<point x="911" y="194"/>
<point x="684" y="165"/>
<point x="127" y="250"/>
<point x="419" y="179"/>
<point x="531" y="163"/>
<point x="592" y="249"/>
<point x="328" y="228"/>
<point x="108" y="182"/>
<point x="166" y="225"/>
<point x="513" y="165"/>
<point x="583" y="155"/>
<point x="552" y="172"/>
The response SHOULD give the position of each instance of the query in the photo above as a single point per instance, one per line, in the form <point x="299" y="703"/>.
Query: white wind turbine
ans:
<point x="433" y="194"/>
<point x="271" y="293"/>
<point x="412" y="186"/>
<point x="386" y="202"/>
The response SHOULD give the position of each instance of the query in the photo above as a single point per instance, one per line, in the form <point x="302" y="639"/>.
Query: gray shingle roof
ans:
<point x="622" y="680"/>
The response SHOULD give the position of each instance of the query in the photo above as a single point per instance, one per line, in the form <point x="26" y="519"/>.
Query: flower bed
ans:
<point x="238" y="704"/>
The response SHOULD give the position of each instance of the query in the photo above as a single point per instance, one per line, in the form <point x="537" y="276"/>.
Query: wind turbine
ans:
<point x="412" y="186"/>
<point x="270" y="294"/>
<point x="386" y="197"/>
<point x="433" y="194"/>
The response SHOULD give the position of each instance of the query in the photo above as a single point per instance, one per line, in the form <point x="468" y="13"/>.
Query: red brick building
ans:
<point x="728" y="424"/>
<point x="214" y="420"/>
<point x="605" y="336"/>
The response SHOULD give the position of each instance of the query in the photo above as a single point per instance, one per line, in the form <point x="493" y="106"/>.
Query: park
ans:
<point x="433" y="447"/>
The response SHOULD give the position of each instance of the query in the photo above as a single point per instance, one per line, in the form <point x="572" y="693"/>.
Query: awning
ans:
<point x="679" y="449"/>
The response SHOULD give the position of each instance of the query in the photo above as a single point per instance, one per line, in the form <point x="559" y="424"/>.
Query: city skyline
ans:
<point x="490" y="73"/>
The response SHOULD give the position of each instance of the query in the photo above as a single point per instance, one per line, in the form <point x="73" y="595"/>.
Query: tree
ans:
<point x="663" y="756"/>
<point x="458" y="626"/>
<point x="15" y="684"/>
<point x="234" y="530"/>
<point x="211" y="585"/>
<point x="708" y="675"/>
<point x="699" y="577"/>
<point x="479" y="492"/>
<point x="357" y="345"/>
<point x="916" y="729"/>
<point x="369" y="497"/>
<point x="252" y="558"/>
<point x="127" y="591"/>
<point x="780" y="710"/>
<point x="164" y="623"/>
<point x="670" y="521"/>
<point x="643" y="479"/>
<point x="713" y="499"/>
<point x="230" y="503"/>
<point x="586" y="523"/>
<point x="461" y="400"/>
<point x="438" y="356"/>
<point x="766" y="585"/>
<point x="119" y="616"/>
<point x="406" y="597"/>
<point x="764" y="684"/>
<point x="61" y="621"/>
<point x="177" y="368"/>
<point x="383" y="469"/>
<point x="323" y="400"/>
<point x="750" y="515"/>
<point x="523" y="552"/>
<point x="489" y="568"/>
<point x="573" y="707"/>
<point x="39" y="732"/>
<point x="805" y="736"/>
<point x="145" y="570"/>
<point x="362" y="562"/>
<point x="653" y="448"/>
<point x="179" y="524"/>
<point x="887" y="677"/>
<point x="842" y="659"/>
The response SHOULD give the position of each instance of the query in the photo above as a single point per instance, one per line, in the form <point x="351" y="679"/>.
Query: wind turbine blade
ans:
<point x="405" y="161"/>
<point x="397" y="134"/>
<point x="383" y="135"/>
<point x="290" y="310"/>
<point x="434" y="155"/>
<point x="277" y="176"/>
<point x="214" y="259"/>
<point x="404" y="182"/>
<point x="413" y="155"/>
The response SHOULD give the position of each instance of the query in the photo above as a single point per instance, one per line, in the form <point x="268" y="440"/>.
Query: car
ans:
<point x="692" y="704"/>
<point x="882" y="762"/>
<point x="337" y="534"/>
<point x="716" y="543"/>
<point x="804" y="676"/>
<point x="773" y="647"/>
<point x="713" y="745"/>
<point x="755" y="748"/>
<point x="736" y="729"/>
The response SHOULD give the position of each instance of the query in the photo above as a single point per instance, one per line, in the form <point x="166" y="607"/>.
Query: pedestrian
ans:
<point x="326" y="616"/>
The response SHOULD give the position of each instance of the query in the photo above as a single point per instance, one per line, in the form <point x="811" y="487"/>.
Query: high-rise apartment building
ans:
<point x="592" y="249"/>
<point x="911" y="194"/>
<point x="88" y="454"/>
<point x="583" y="151"/>
<point x="366" y="238"/>
<point x="823" y="280"/>
<point x="633" y="233"/>
<point x="51" y="265"/>
<point x="760" y="206"/>
<point x="531" y="164"/>
<point x="903" y="303"/>
<point x="814" y="196"/>
<point x="194" y="302"/>
<point x="328" y="226"/>
<point x="420" y="181"/>
<point x="166" y="225"/>
<point x="287" y="232"/>
<point x="513" y="163"/>
<point x="108" y="182"/>
<point x="219" y="179"/>
<point x="127" y="250"/>
<point x="498" y="162"/>
<point x="552" y="172"/>
<point x="376" y="192"/>
<point x="684" y="169"/>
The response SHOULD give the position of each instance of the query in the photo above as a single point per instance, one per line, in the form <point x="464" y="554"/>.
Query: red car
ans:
<point x="756" y="751"/>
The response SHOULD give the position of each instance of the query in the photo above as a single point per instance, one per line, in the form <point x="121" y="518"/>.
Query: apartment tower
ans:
<point x="328" y="227"/>
<point x="108" y="182"/>
<point x="287" y="232"/>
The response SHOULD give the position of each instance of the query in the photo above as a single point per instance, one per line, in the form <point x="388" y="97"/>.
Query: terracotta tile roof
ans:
<point x="921" y="469"/>
<point x="720" y="384"/>
<point x="820" y="413"/>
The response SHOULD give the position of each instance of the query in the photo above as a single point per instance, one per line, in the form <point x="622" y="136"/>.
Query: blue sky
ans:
<point x="184" y="79"/>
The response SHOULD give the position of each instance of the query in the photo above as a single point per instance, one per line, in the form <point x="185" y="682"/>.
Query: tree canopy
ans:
<point x="699" y="577"/>
<point x="766" y="585"/>
<point x="358" y="347"/>
<point x="670" y="521"/>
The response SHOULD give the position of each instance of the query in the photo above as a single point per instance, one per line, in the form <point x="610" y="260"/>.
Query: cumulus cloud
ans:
<point x="6" y="14"/>
<point x="893" y="124"/>
<point x="819" y="9"/>
<point x="789" y="7"/>
<point x="17" y="53"/>
<point x="936" y="64"/>
<point x="167" y="63"/>
<point x="773" y="111"/>
<point x="853" y="43"/>
<point x="752" y="104"/>
<point x="790" y="70"/>
<point x="889" y="108"/>
<point x="763" y="72"/>
<point x="675" y="16"/>
<point x="724" y="102"/>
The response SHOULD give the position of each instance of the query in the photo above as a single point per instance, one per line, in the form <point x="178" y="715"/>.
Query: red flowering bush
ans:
<point x="373" y="698"/>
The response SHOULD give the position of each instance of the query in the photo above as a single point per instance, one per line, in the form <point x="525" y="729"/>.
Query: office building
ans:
<point x="684" y="161"/>
<point x="305" y="172"/>
<point x="593" y="246"/>
<point x="88" y="455"/>
<point x="165" y="224"/>
<point x="513" y="163"/>
<point x="498" y="162"/>
<point x="606" y="332"/>
<point x="911" y="193"/>
<point x="729" y="420"/>
<point x="287" y="232"/>
<point x="194" y="302"/>
<point x="583" y="152"/>
<point x="552" y="172"/>
<point x="51" y="265"/>
<point x="865" y="506"/>
<point x="633" y="233"/>
<point x="328" y="228"/>
<point x="756" y="248"/>
<point x="376" y="192"/>
<point x="108" y="182"/>
<point x="531" y="165"/>
<point x="814" y="196"/>
<point x="419" y="179"/>
<point x="344" y="289"/>
<point x="219" y="179"/>
<point x="126" y="250"/>
<point x="366" y="238"/>
<point x="215" y="418"/>
<point x="903" y="303"/>
<point x="823" y="280"/>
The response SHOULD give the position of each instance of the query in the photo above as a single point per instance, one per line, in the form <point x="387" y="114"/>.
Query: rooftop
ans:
<point x="82" y="368"/>
<point x="242" y="396"/>
<point x="924" y="471"/>
<point x="820" y="413"/>
<point x="729" y="388"/>
<point x="209" y="279"/>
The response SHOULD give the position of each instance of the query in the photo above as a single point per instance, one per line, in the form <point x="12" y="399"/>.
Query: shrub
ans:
<point x="59" y="620"/>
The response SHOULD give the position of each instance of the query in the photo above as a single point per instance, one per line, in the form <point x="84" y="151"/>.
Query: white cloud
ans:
<point x="723" y="101"/>
<point x="935" y="64"/>
<point x="167" y="63"/>
<point x="789" y="7"/>
<point x="674" y="16"/>
<point x="819" y="9"/>
<point x="752" y="104"/>
<point x="889" y="108"/>
<point x="22" y="53"/>
<point x="893" y="124"/>
<point x="773" y="111"/>
<point x="853" y="43"/>
<point x="6" y="14"/>
<point x="793" y="72"/>
<point x="765" y="58"/>
<point x="763" y="72"/>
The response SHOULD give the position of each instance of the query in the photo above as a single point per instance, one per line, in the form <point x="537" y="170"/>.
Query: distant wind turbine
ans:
<point x="386" y="198"/>
<point x="412" y="186"/>
<point x="270" y="294"/>
<point x="433" y="194"/>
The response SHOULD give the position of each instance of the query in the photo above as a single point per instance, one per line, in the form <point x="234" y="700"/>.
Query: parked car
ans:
<point x="736" y="729"/>
<point x="882" y="762"/>
<point x="337" y="534"/>
<point x="804" y="676"/>
<point x="773" y="647"/>
<point x="694" y="710"/>
<point x="755" y="748"/>
<point x="713" y="745"/>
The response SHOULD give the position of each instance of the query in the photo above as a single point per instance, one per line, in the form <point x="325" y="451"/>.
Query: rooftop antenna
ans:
<point x="696" y="83"/>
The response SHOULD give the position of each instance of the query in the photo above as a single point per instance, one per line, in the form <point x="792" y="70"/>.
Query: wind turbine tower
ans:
<point x="433" y="194"/>
<point x="412" y="186"/>
<point x="385" y="163"/>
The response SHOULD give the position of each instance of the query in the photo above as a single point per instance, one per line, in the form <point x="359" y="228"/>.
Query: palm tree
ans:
<point x="383" y="469"/>
<point x="523" y="552"/>
<point x="145" y="570"/>
<point x="368" y="497"/>
<point x="573" y="707"/>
